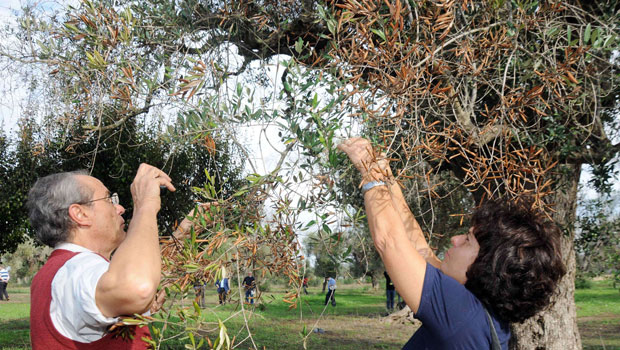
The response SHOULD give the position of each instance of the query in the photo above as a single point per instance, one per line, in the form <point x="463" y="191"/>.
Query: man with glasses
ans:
<point x="82" y="289"/>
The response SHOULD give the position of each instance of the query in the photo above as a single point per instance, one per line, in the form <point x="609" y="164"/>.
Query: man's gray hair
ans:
<point x="48" y="203"/>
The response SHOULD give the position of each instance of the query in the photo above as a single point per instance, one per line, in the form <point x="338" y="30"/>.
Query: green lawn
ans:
<point x="14" y="320"/>
<point x="355" y="323"/>
<point x="598" y="314"/>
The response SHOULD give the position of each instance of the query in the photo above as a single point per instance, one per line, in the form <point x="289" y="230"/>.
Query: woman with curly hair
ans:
<point x="503" y="270"/>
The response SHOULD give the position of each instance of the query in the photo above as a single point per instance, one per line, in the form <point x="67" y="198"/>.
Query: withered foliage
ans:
<point x="498" y="93"/>
<point x="231" y="235"/>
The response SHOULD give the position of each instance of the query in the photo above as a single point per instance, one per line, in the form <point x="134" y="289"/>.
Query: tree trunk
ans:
<point x="556" y="327"/>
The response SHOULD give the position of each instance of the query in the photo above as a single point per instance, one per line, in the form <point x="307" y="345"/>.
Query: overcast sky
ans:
<point x="9" y="103"/>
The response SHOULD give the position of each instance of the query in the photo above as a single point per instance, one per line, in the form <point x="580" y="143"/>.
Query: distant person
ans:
<point x="4" y="282"/>
<point x="188" y="226"/>
<point x="82" y="289"/>
<point x="504" y="269"/>
<point x="331" y="291"/>
<point x="222" y="289"/>
<point x="249" y="284"/>
<point x="305" y="285"/>
<point x="389" y="292"/>
<point x="199" y="290"/>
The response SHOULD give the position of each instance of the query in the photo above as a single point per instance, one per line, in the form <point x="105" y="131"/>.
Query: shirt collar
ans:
<point x="72" y="247"/>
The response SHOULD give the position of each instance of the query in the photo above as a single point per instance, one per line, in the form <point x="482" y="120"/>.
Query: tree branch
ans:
<point x="118" y="123"/>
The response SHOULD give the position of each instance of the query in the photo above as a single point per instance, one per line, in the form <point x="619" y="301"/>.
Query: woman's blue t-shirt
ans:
<point x="452" y="317"/>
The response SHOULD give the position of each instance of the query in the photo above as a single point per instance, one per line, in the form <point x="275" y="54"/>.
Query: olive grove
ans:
<point x="470" y="100"/>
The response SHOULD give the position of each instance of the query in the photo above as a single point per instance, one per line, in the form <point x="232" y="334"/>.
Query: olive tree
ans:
<point x="509" y="97"/>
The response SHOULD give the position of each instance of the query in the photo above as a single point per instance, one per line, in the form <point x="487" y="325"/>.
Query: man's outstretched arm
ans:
<point x="130" y="284"/>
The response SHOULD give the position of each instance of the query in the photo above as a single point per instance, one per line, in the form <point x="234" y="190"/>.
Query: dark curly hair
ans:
<point x="519" y="262"/>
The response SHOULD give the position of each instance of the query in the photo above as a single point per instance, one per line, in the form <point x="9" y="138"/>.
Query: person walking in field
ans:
<point x="4" y="282"/>
<point x="331" y="291"/>
<point x="503" y="270"/>
<point x="199" y="290"/>
<point x="223" y="288"/>
<point x="389" y="292"/>
<point x="305" y="285"/>
<point x="249" y="284"/>
<point x="82" y="289"/>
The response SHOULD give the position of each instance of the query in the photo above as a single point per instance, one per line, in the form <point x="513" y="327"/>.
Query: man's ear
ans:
<point x="80" y="215"/>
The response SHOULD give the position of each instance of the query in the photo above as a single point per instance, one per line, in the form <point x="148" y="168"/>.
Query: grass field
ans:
<point x="355" y="323"/>
<point x="598" y="315"/>
<point x="14" y="320"/>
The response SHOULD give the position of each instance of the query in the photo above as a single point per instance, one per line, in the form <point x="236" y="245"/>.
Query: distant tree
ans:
<point x="329" y="260"/>
<point x="10" y="221"/>
<point x="22" y="164"/>
<point x="26" y="260"/>
<point x="114" y="160"/>
<point x="597" y="239"/>
<point x="366" y="260"/>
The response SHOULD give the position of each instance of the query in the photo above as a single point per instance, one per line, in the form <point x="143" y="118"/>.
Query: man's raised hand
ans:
<point x="145" y="188"/>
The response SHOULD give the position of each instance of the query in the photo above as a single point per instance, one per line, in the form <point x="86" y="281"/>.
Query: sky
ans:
<point x="9" y="104"/>
<point x="14" y="95"/>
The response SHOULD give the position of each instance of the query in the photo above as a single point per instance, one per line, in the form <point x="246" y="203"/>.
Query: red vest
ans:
<point x="44" y="335"/>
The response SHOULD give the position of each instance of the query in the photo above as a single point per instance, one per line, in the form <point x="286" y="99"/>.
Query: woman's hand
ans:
<point x="370" y="165"/>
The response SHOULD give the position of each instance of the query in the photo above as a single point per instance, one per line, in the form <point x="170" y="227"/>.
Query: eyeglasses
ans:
<point x="113" y="198"/>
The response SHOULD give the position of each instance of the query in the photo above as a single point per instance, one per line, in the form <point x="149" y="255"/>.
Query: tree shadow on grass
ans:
<point x="15" y="334"/>
<point x="21" y="324"/>
<point x="600" y="332"/>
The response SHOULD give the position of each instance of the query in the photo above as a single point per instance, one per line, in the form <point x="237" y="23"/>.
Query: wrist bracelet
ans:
<point x="366" y="187"/>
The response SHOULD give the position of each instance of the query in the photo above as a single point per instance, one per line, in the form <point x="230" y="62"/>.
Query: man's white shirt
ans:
<point x="73" y="309"/>
<point x="4" y="275"/>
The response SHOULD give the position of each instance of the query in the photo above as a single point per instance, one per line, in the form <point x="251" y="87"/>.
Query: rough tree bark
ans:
<point x="556" y="327"/>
